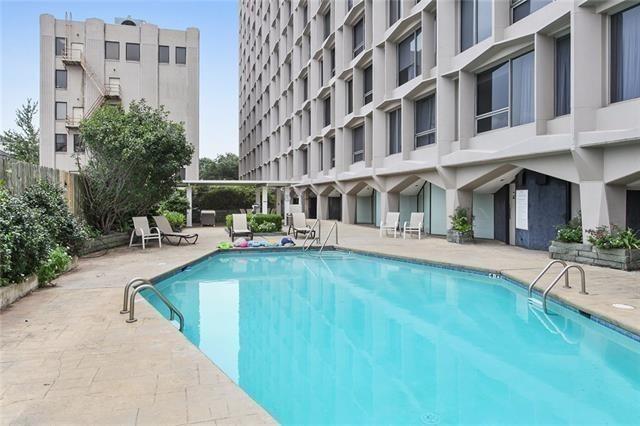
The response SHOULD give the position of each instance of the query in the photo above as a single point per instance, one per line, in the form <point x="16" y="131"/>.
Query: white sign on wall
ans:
<point x="522" y="209"/>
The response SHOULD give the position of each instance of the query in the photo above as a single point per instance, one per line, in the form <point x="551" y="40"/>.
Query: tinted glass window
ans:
<point x="327" y="25"/>
<point x="332" y="147"/>
<point x="625" y="55"/>
<point x="327" y="111"/>
<point x="522" y="76"/>
<point x="61" y="79"/>
<point x="61" y="43"/>
<point x="112" y="50"/>
<point x="527" y="7"/>
<point x="349" y="96"/>
<point x="466" y="24"/>
<point x="563" y="76"/>
<point x="181" y="55"/>
<point x="426" y="121"/>
<point x="358" y="144"/>
<point x="394" y="11"/>
<point x="483" y="20"/>
<point x="409" y="57"/>
<point x="61" y="110"/>
<point x="61" y="142"/>
<point x="133" y="52"/>
<point x="358" y="37"/>
<point x="163" y="54"/>
<point x="493" y="89"/>
<point x="395" y="131"/>
<point x="368" y="84"/>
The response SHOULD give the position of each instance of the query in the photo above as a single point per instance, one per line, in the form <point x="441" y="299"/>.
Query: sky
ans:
<point x="216" y="19"/>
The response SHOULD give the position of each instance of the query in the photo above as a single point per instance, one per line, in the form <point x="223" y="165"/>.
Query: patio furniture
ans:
<point x="141" y="229"/>
<point x="170" y="235"/>
<point x="414" y="225"/>
<point x="208" y="218"/>
<point x="390" y="223"/>
<point x="239" y="227"/>
<point x="300" y="226"/>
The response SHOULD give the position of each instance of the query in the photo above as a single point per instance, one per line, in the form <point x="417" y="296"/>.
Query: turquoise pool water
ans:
<point x="360" y="339"/>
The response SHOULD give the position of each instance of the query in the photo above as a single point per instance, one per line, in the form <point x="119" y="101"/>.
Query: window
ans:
<point x="625" y="54"/>
<point x="288" y="65"/>
<point x="410" y="57"/>
<point x="163" y="54"/>
<point x="349" y="96"/>
<point x="475" y="22"/>
<point x="395" y="131"/>
<point x="327" y="24"/>
<point x="327" y="111"/>
<point x="349" y="4"/>
<point x="307" y="117"/>
<point x="305" y="88"/>
<point x="321" y="157"/>
<point x="522" y="8"/>
<point x="358" y="37"/>
<point x="332" y="57"/>
<point x="425" y="121"/>
<point x="563" y="76"/>
<point x="321" y="73"/>
<point x="493" y="103"/>
<point x="181" y="55"/>
<point x="61" y="46"/>
<point x="368" y="84"/>
<point x="61" y="79"/>
<point x="305" y="15"/>
<point x="394" y="11"/>
<point x="304" y="160"/>
<point x="78" y="146"/>
<point x="132" y="52"/>
<point x="332" y="148"/>
<point x="61" y="110"/>
<point x="358" y="143"/>
<point x="112" y="50"/>
<point x="61" y="142"/>
<point x="289" y="135"/>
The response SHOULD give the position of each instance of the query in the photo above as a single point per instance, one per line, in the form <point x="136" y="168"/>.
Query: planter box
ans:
<point x="13" y="292"/>
<point x="627" y="260"/>
<point x="459" y="237"/>
<point x="105" y="242"/>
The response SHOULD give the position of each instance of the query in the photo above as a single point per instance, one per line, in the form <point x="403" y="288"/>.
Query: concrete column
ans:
<point x="602" y="205"/>
<point x="279" y="200"/>
<point x="458" y="198"/>
<point x="190" y="209"/>
<point x="323" y="207"/>
<point x="348" y="208"/>
<point x="389" y="202"/>
<point x="265" y="200"/>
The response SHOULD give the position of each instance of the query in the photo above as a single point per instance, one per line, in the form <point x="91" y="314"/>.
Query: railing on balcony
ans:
<point x="112" y="90"/>
<point x="73" y="122"/>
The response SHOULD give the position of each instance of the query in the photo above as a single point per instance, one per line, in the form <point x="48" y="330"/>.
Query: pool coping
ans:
<point x="598" y="318"/>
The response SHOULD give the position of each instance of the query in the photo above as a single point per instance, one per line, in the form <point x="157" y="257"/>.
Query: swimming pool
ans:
<point x="350" y="338"/>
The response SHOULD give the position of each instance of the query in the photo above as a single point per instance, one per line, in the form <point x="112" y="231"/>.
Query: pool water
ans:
<point x="348" y="338"/>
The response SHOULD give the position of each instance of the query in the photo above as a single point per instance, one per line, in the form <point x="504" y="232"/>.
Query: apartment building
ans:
<point x="525" y="112"/>
<point x="84" y="65"/>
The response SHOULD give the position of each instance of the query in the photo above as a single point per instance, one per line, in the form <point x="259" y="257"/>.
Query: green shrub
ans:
<point x="48" y="199"/>
<point x="614" y="238"/>
<point x="57" y="262"/>
<point x="260" y="222"/>
<point x="461" y="221"/>
<point x="24" y="241"/>
<point x="176" y="219"/>
<point x="570" y="232"/>
<point x="177" y="202"/>
<point x="224" y="197"/>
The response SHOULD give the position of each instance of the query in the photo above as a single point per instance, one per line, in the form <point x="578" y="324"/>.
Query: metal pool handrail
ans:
<point x="334" y="226"/>
<point x="311" y="231"/>
<point x="148" y="285"/>
<point x="565" y="272"/>
<point x="135" y="282"/>
<point x="544" y="271"/>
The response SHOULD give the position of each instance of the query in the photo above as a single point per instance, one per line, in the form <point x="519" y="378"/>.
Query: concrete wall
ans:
<point x="176" y="86"/>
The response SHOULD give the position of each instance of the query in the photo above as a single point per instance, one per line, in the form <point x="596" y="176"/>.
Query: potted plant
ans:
<point x="461" y="227"/>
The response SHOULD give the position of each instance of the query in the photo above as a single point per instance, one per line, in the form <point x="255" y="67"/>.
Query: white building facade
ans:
<point x="84" y="65"/>
<point x="525" y="112"/>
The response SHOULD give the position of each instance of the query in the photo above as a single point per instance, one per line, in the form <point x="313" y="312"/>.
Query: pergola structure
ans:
<point x="261" y="192"/>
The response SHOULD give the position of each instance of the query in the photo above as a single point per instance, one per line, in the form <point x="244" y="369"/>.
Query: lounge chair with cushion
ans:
<point x="239" y="227"/>
<point x="141" y="229"/>
<point x="300" y="225"/>
<point x="414" y="225"/>
<point x="390" y="223"/>
<point x="170" y="235"/>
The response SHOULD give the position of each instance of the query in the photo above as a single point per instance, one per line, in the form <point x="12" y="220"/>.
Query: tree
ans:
<point x="23" y="144"/>
<point x="223" y="167"/>
<point x="134" y="159"/>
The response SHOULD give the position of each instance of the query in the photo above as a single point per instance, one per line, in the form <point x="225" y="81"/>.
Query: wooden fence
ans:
<point x="18" y="175"/>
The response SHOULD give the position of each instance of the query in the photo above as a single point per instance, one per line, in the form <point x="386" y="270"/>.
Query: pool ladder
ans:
<point x="333" y="229"/>
<point x="565" y="273"/>
<point x="138" y="284"/>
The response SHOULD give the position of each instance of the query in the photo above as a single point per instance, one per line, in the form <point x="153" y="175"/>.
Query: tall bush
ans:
<point x="225" y="197"/>
<point x="134" y="159"/>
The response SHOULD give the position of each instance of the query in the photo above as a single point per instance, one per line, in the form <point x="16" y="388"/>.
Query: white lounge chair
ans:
<point x="170" y="235"/>
<point x="141" y="229"/>
<point x="239" y="227"/>
<point x="414" y="225"/>
<point x="390" y="223"/>
<point x="300" y="225"/>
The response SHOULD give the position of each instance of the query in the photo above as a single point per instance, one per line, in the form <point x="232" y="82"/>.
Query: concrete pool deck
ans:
<point x="68" y="357"/>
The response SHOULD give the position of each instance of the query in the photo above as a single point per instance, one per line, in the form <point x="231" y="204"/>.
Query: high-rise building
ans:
<point x="84" y="65"/>
<point x="524" y="112"/>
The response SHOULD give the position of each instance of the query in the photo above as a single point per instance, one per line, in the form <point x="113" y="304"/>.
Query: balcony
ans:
<point x="112" y="91"/>
<point x="72" y="57"/>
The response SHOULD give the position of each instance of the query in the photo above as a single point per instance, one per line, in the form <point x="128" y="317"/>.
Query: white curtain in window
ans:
<point x="626" y="55"/>
<point x="563" y="76"/>
<point x="522" y="89"/>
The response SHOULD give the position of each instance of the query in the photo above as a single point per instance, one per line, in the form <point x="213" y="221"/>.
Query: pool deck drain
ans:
<point x="68" y="357"/>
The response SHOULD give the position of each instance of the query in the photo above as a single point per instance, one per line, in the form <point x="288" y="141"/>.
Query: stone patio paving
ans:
<point x="68" y="357"/>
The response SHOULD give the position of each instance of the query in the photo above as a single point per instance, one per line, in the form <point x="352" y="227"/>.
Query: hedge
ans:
<point x="260" y="222"/>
